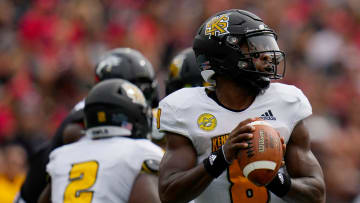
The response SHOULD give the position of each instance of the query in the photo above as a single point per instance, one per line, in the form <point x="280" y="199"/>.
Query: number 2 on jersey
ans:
<point x="242" y="190"/>
<point x="82" y="178"/>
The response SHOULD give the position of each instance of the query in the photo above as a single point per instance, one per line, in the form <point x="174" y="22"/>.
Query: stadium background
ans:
<point x="48" y="50"/>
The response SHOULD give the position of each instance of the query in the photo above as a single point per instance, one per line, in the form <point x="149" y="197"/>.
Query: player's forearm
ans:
<point x="307" y="183"/>
<point x="306" y="189"/>
<point x="45" y="196"/>
<point x="184" y="186"/>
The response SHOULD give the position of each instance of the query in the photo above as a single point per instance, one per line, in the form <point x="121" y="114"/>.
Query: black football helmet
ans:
<point x="131" y="65"/>
<point x="183" y="72"/>
<point x="238" y="44"/>
<point x="116" y="107"/>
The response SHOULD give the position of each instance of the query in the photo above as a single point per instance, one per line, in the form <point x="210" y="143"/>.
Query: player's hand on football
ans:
<point x="238" y="139"/>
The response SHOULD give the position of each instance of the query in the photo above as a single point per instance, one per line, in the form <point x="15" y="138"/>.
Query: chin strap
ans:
<point x="262" y="82"/>
<point x="256" y="84"/>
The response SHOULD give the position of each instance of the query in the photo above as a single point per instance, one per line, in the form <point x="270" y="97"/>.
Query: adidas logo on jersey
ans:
<point x="268" y="115"/>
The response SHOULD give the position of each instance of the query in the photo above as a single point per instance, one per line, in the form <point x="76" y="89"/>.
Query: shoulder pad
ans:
<point x="289" y="93"/>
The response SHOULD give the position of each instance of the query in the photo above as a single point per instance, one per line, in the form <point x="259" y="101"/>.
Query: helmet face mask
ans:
<point x="258" y="54"/>
<point x="237" y="43"/>
<point x="149" y="89"/>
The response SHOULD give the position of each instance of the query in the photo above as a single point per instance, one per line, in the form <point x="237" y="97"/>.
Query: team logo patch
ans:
<point x="150" y="166"/>
<point x="176" y="65"/>
<point x="217" y="26"/>
<point x="207" y="122"/>
<point x="107" y="64"/>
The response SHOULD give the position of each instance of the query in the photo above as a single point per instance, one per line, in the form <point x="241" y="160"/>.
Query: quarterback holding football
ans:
<point x="206" y="127"/>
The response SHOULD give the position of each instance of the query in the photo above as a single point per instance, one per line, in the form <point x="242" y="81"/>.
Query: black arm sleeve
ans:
<point x="36" y="177"/>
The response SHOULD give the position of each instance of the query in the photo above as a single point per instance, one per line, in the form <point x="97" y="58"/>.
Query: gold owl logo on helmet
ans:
<point x="176" y="65"/>
<point x="217" y="26"/>
<point x="134" y="93"/>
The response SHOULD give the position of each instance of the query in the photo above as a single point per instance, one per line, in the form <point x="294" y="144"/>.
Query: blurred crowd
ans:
<point x="49" y="48"/>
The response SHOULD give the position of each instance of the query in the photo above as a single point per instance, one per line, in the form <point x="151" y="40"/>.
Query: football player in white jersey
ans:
<point x="206" y="127"/>
<point x="113" y="162"/>
<point x="123" y="63"/>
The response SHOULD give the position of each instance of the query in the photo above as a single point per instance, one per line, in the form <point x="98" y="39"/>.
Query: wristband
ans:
<point x="280" y="185"/>
<point x="216" y="163"/>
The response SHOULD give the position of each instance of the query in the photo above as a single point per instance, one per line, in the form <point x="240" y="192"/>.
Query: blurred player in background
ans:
<point x="183" y="72"/>
<point x="124" y="63"/>
<point x="205" y="127"/>
<point x="114" y="161"/>
<point x="131" y="65"/>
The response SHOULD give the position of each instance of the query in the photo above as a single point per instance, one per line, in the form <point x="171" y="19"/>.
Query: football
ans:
<point x="261" y="161"/>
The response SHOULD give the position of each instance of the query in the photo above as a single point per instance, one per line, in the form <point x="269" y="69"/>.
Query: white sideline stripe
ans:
<point x="260" y="123"/>
<point x="258" y="165"/>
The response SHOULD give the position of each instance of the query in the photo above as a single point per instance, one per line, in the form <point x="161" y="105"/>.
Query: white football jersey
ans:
<point x="101" y="170"/>
<point x="192" y="113"/>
